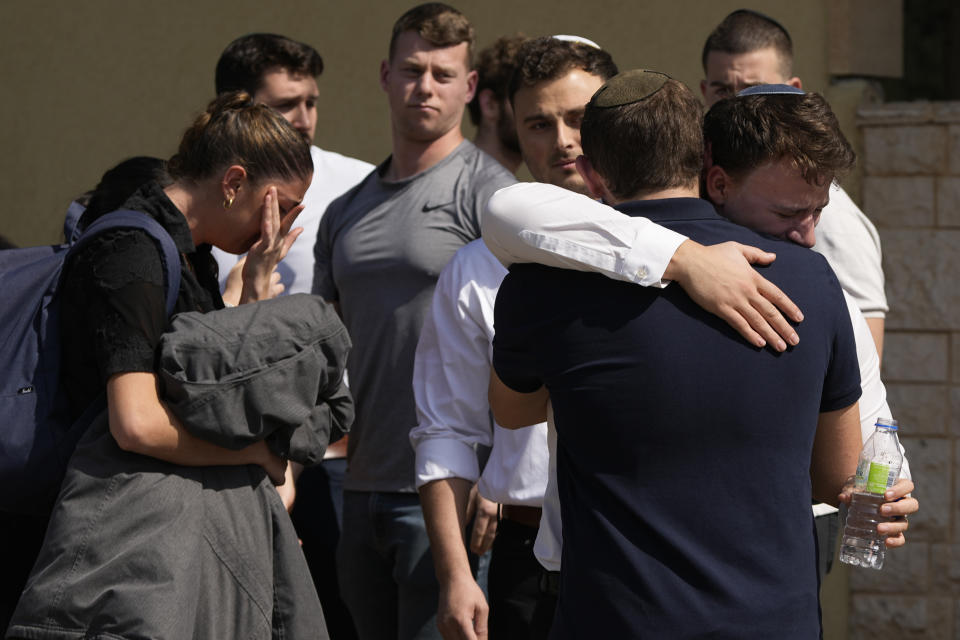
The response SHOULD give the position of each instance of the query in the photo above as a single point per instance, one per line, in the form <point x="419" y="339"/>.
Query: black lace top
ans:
<point x="113" y="308"/>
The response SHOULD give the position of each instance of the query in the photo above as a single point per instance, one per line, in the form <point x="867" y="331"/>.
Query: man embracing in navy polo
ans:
<point x="675" y="436"/>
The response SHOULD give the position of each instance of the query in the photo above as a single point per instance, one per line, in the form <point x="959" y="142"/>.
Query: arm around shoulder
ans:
<point x="532" y="222"/>
<point x="545" y="224"/>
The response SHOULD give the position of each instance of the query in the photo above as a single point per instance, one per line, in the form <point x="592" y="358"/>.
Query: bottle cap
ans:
<point x="888" y="423"/>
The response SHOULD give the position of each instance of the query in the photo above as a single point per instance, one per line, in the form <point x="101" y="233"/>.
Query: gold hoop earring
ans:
<point x="228" y="202"/>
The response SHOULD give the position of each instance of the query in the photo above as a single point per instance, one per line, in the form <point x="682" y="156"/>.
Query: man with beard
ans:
<point x="491" y="113"/>
<point x="490" y="110"/>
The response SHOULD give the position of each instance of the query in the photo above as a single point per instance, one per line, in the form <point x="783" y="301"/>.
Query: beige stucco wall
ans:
<point x="86" y="84"/>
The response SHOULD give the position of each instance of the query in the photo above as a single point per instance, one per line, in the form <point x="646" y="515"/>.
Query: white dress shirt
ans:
<point x="451" y="373"/>
<point x="548" y="546"/>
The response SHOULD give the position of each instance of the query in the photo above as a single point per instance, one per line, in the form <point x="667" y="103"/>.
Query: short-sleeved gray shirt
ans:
<point x="379" y="251"/>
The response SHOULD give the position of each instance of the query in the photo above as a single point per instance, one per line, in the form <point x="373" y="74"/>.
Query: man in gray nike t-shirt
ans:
<point x="379" y="251"/>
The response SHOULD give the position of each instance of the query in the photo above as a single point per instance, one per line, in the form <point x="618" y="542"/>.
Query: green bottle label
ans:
<point x="877" y="478"/>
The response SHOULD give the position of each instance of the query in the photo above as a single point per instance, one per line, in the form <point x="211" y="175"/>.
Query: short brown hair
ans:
<point x="548" y="58"/>
<point x="244" y="62"/>
<point x="746" y="132"/>
<point x="648" y="145"/>
<point x="235" y="130"/>
<point x="495" y="66"/>
<point x="744" y="31"/>
<point x="439" y="24"/>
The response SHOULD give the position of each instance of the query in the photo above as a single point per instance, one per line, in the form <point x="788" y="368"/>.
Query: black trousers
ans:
<point x="519" y="608"/>
<point x="317" y="514"/>
<point x="21" y="537"/>
<point x="828" y="531"/>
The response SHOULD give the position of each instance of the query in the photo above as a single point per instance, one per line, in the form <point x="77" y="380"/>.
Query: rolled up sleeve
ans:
<point x="450" y="375"/>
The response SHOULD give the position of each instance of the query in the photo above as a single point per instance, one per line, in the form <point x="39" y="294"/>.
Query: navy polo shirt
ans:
<point x="683" y="452"/>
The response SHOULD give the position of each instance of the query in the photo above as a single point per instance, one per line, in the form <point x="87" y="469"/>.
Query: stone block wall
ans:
<point x="911" y="191"/>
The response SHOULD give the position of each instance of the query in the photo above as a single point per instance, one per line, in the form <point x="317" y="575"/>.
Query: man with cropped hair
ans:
<point x="283" y="69"/>
<point x="653" y="424"/>
<point x="749" y="48"/>
<point x="490" y="110"/>
<point x="378" y="253"/>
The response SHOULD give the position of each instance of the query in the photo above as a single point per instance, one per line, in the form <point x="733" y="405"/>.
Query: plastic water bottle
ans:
<point x="877" y="470"/>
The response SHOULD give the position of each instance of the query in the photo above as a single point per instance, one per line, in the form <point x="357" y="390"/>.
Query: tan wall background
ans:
<point x="86" y="84"/>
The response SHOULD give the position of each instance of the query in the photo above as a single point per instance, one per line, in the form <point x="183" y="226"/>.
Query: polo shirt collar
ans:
<point x="670" y="209"/>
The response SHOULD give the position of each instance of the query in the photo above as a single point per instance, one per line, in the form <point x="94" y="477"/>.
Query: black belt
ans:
<point x="549" y="582"/>
<point x="528" y="516"/>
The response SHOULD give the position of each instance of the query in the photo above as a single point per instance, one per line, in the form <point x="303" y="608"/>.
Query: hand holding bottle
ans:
<point x="869" y="522"/>
<point x="898" y="504"/>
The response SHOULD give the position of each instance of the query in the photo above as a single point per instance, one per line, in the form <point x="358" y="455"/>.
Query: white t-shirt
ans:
<point x="851" y="244"/>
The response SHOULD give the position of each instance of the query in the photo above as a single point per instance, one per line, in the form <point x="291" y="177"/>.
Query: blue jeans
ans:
<point x="385" y="567"/>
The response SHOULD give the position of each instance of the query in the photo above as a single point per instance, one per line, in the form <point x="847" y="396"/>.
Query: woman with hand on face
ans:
<point x="236" y="183"/>
<point x="157" y="532"/>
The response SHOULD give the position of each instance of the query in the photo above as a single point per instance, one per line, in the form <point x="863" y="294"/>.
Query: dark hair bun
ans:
<point x="230" y="101"/>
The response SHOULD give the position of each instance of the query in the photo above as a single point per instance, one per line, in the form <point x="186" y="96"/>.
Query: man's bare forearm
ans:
<point x="444" y="504"/>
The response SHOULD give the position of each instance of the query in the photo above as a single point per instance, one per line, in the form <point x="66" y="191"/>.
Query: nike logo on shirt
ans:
<point x="433" y="207"/>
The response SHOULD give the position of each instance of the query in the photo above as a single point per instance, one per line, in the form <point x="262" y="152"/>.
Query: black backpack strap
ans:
<point x="129" y="219"/>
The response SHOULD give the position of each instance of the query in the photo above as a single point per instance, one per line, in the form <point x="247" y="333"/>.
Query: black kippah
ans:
<point x="771" y="90"/>
<point x="628" y="87"/>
